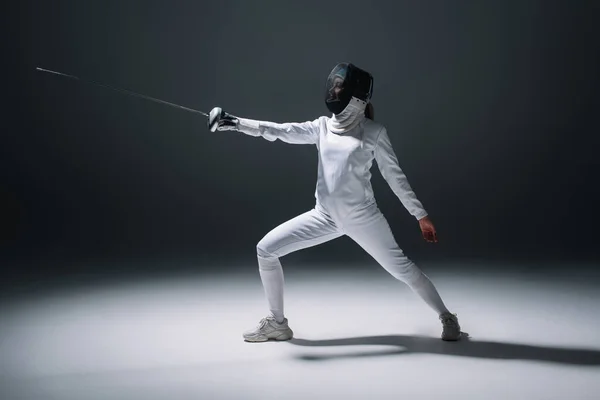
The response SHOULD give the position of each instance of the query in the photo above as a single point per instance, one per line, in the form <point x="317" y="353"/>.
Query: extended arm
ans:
<point x="290" y="132"/>
<point x="395" y="177"/>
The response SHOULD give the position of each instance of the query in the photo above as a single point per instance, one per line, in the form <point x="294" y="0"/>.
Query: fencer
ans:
<point x="348" y="141"/>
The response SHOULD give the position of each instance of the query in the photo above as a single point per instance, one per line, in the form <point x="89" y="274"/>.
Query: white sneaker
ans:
<point x="269" y="328"/>
<point x="451" y="326"/>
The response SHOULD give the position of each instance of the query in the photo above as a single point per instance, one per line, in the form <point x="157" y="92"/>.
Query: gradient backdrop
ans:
<point x="491" y="107"/>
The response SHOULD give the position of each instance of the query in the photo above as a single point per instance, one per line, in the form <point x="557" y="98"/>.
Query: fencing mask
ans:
<point x="345" y="82"/>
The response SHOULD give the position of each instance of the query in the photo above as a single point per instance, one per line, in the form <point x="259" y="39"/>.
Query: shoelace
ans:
<point x="263" y="322"/>
<point x="449" y="320"/>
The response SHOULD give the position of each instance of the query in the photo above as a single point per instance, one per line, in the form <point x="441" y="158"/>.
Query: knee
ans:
<point x="265" y="250"/>
<point x="407" y="271"/>
<point x="267" y="259"/>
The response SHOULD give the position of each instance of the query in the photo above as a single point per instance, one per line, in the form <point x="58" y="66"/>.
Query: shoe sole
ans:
<point x="452" y="339"/>
<point x="279" y="338"/>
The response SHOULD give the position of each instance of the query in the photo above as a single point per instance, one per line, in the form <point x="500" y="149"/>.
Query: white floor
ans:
<point x="359" y="335"/>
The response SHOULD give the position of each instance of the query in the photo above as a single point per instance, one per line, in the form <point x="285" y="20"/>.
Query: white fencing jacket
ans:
<point x="345" y="160"/>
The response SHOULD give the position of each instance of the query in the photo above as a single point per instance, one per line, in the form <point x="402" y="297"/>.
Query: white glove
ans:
<point x="219" y="120"/>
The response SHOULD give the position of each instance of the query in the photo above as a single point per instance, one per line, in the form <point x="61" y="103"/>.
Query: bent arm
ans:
<point x="290" y="132"/>
<point x="395" y="177"/>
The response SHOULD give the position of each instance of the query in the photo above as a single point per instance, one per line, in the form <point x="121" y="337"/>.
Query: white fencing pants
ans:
<point x="367" y="227"/>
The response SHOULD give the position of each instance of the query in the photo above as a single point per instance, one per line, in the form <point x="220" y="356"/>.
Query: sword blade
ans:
<point x="128" y="92"/>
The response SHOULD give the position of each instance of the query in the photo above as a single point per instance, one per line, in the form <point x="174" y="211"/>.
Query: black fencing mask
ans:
<point x="344" y="82"/>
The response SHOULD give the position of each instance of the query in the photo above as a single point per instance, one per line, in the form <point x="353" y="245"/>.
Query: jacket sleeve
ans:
<point x="290" y="132"/>
<point x="395" y="177"/>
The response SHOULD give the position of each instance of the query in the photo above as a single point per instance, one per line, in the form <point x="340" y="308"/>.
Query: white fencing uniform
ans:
<point x="345" y="203"/>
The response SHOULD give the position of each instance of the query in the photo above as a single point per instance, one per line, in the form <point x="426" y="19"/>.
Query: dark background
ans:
<point x="491" y="107"/>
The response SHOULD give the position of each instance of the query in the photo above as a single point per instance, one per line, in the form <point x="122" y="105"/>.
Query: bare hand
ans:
<point x="428" y="230"/>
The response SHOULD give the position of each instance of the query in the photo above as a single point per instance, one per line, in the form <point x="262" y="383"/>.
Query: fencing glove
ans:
<point x="219" y="120"/>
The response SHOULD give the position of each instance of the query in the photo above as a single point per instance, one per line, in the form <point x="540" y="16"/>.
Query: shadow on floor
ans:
<point x="466" y="347"/>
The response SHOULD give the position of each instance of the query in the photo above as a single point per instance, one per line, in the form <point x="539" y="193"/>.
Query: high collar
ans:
<point x="351" y="116"/>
